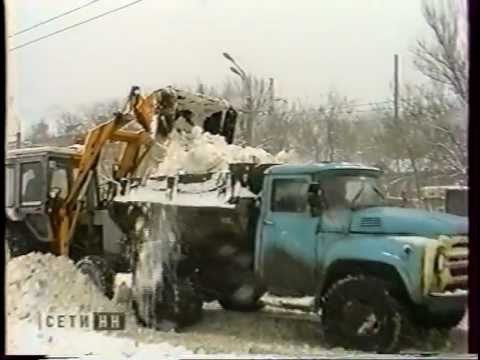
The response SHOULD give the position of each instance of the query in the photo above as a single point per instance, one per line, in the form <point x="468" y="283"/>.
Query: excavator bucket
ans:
<point x="169" y="109"/>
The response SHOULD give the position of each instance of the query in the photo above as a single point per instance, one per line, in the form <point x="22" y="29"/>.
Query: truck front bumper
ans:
<point x="447" y="301"/>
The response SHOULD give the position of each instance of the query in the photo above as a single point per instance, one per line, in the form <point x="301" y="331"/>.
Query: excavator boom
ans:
<point x="137" y="144"/>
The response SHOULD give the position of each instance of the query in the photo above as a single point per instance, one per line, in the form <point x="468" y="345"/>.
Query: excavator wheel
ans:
<point x="99" y="272"/>
<point x="18" y="241"/>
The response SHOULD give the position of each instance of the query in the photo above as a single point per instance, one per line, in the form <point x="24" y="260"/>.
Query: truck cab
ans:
<point x="324" y="231"/>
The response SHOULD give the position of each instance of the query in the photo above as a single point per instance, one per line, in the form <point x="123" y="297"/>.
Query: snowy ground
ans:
<point x="269" y="332"/>
<point x="43" y="283"/>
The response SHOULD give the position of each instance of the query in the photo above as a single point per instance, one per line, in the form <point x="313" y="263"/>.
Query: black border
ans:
<point x="474" y="117"/>
<point x="474" y="203"/>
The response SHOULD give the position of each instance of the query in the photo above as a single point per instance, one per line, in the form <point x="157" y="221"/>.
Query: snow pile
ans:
<point x="201" y="152"/>
<point x="45" y="283"/>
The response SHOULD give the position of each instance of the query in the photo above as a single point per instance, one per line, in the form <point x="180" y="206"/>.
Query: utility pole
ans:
<point x="250" y="109"/>
<point x="395" y="86"/>
<point x="401" y="141"/>
<point x="395" y="102"/>
<point x="272" y="96"/>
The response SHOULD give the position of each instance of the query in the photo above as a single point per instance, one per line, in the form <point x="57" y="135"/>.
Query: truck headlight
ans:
<point x="440" y="263"/>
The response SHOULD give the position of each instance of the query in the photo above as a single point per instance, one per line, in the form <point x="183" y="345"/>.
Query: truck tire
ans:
<point x="99" y="272"/>
<point x="245" y="296"/>
<point x="189" y="304"/>
<point x="231" y="305"/>
<point x="359" y="313"/>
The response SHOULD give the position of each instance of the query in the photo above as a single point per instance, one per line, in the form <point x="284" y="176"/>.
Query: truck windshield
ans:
<point x="351" y="191"/>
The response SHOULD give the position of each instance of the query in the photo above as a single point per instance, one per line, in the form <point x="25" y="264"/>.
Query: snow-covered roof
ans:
<point x="42" y="150"/>
<point x="445" y="187"/>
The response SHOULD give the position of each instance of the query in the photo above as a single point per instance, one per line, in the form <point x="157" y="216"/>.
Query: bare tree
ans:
<point x="69" y="123"/>
<point x="40" y="133"/>
<point x="85" y="116"/>
<point x="324" y="134"/>
<point x="439" y="122"/>
<point x="99" y="112"/>
<point x="444" y="58"/>
<point x="427" y="140"/>
<point x="274" y="132"/>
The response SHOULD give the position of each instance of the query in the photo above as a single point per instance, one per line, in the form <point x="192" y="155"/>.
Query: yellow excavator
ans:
<point x="56" y="200"/>
<point x="46" y="185"/>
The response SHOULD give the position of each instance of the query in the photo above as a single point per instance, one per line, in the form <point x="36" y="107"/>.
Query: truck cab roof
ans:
<point x="314" y="168"/>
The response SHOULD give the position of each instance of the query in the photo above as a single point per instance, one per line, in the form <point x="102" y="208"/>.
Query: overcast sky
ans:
<point x="308" y="46"/>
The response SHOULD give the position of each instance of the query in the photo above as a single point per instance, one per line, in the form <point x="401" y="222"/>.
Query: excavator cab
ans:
<point x="36" y="178"/>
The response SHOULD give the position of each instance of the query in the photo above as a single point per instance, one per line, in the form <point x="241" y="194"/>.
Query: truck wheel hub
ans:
<point x="360" y="318"/>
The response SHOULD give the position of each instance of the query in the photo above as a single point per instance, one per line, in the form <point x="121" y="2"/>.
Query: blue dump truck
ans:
<point x="317" y="230"/>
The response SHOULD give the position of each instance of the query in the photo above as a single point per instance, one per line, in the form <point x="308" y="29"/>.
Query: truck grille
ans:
<point x="370" y="222"/>
<point x="457" y="265"/>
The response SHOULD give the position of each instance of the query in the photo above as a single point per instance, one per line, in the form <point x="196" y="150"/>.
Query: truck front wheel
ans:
<point x="358" y="312"/>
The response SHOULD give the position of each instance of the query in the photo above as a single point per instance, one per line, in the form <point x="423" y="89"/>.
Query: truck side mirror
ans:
<point x="315" y="198"/>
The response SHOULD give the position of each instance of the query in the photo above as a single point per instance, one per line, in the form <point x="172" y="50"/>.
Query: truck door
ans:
<point x="288" y="236"/>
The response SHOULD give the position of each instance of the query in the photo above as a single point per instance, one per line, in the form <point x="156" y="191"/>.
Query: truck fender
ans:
<point x="341" y="268"/>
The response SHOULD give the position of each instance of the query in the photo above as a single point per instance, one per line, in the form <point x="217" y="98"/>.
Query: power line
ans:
<point x="74" y="25"/>
<point x="53" y="18"/>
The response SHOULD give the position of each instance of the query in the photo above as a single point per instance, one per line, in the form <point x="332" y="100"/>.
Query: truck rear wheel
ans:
<point x="99" y="272"/>
<point x="232" y="305"/>
<point x="358" y="312"/>
<point x="245" y="296"/>
<point x="189" y="304"/>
